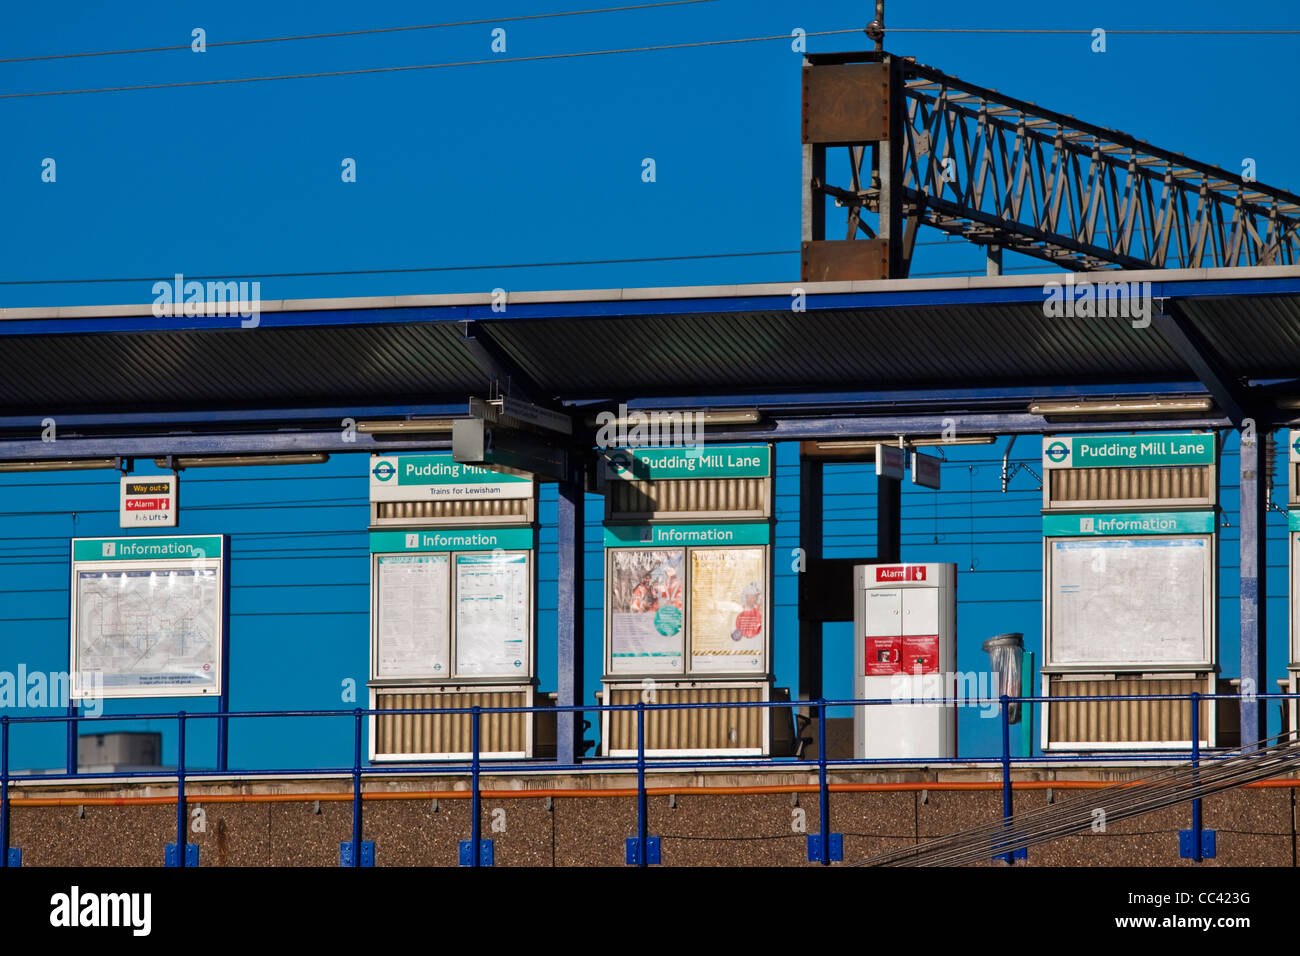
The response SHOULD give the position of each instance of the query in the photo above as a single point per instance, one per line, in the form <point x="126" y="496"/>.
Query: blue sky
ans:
<point x="531" y="161"/>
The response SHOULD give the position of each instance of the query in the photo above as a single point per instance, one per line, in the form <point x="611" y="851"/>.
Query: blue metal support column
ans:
<point x="889" y="519"/>
<point x="4" y="797"/>
<point x="223" y="702"/>
<point x="811" y="511"/>
<point x="570" y="527"/>
<point x="1251" y="527"/>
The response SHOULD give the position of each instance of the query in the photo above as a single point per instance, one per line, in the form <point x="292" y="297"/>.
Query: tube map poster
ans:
<point x="150" y="632"/>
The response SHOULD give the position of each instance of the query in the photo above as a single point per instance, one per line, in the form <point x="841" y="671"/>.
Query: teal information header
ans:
<point x="699" y="461"/>
<point x="1127" y="451"/>
<point x="471" y="539"/>
<point x="1169" y="522"/>
<point x="662" y="535"/>
<point x="147" y="549"/>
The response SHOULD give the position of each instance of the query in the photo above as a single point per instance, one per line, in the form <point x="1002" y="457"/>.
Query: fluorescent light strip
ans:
<point x="1149" y="406"/>
<point x="225" y="461"/>
<point x="66" y="464"/>
<point x="409" y="426"/>
<point x="732" y="416"/>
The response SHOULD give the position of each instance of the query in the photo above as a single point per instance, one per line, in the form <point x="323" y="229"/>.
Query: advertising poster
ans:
<point x="492" y="615"/>
<point x="413" y="636"/>
<point x="647" y="610"/>
<point x="728" y="606"/>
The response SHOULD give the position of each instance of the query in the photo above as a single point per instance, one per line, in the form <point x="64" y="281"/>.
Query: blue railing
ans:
<point x="820" y="847"/>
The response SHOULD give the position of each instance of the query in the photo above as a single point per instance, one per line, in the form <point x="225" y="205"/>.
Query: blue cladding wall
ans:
<point x="299" y="587"/>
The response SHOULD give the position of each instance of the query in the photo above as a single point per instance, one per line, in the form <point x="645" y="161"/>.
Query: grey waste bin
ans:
<point x="1006" y="653"/>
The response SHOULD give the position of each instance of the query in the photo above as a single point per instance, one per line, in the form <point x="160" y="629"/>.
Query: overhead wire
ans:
<point x="419" y="66"/>
<point x="353" y="33"/>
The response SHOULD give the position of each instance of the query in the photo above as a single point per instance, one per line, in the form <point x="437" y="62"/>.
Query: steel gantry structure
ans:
<point x="928" y="148"/>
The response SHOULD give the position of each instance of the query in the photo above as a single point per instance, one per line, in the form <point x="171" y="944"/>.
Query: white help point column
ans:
<point x="905" y="647"/>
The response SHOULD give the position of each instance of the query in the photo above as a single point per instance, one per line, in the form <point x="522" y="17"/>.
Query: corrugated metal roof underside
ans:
<point x="658" y="354"/>
<point x="853" y="349"/>
<point x="237" y="366"/>
<point x="1257" y="335"/>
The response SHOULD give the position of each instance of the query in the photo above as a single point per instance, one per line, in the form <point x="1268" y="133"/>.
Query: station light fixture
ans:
<point x="231" y="461"/>
<point x="65" y="464"/>
<point x="1128" y="406"/>
<point x="955" y="440"/>
<point x="717" y="416"/>
<point x="406" y="426"/>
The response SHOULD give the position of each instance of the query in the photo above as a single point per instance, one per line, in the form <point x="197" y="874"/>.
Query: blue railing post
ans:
<point x="223" y="738"/>
<point x="4" y="791"/>
<point x="181" y="832"/>
<point x="824" y="797"/>
<point x="475" y="807"/>
<point x="1006" y="773"/>
<point x="1196" y="763"/>
<point x="72" y="738"/>
<point x="642" y="830"/>
<point x="356" y="786"/>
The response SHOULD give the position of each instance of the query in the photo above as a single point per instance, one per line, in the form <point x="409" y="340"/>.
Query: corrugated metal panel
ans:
<point x="1123" y="721"/>
<point x="739" y="497"/>
<point x="1184" y="483"/>
<point x="712" y="728"/>
<point x="404" y="734"/>
<point x="495" y="510"/>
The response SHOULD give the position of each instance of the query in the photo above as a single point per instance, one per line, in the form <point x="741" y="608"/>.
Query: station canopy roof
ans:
<point x="895" y="347"/>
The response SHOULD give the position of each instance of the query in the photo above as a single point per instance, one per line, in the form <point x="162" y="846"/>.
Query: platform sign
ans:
<point x="926" y="470"/>
<point x="148" y="614"/>
<point x="890" y="461"/>
<point x="699" y="461"/>
<point x="1128" y="451"/>
<point x="439" y="477"/>
<point x="148" y="502"/>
